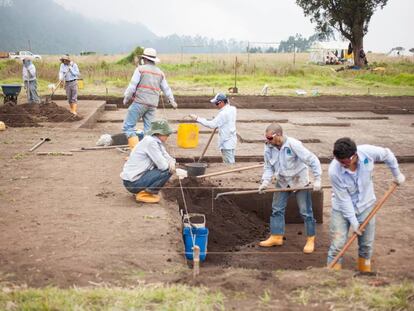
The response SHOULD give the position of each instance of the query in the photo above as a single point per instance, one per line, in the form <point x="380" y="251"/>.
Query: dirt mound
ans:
<point x="29" y="115"/>
<point x="16" y="116"/>
<point x="50" y="112"/>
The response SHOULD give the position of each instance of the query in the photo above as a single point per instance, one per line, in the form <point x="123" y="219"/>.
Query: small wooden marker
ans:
<point x="196" y="261"/>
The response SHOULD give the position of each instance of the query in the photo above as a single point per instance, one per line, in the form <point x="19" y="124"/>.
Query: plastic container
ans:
<point x="81" y="85"/>
<point x="187" y="135"/>
<point x="194" y="219"/>
<point x="201" y="239"/>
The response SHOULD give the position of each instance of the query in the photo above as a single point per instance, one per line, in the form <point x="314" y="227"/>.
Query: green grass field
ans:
<point x="205" y="74"/>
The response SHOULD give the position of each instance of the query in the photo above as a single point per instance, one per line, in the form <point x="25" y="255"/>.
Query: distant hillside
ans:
<point x="52" y="29"/>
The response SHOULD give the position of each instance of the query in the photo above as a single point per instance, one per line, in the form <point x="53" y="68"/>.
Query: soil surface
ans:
<point x="30" y="115"/>
<point x="69" y="221"/>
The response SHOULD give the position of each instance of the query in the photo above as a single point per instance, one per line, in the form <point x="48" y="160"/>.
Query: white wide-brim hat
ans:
<point x="150" y="54"/>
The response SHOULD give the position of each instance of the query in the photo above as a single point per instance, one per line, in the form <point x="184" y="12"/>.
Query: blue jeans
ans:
<point x="228" y="155"/>
<point x="135" y="112"/>
<point x="150" y="181"/>
<point x="339" y="228"/>
<point x="277" y="219"/>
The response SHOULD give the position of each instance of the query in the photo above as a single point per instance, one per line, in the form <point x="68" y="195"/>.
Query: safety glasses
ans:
<point x="346" y="161"/>
<point x="269" y="138"/>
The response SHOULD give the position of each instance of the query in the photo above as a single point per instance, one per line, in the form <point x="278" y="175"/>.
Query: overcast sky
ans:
<point x="260" y="20"/>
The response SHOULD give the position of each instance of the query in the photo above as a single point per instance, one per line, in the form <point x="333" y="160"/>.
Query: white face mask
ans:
<point x="141" y="61"/>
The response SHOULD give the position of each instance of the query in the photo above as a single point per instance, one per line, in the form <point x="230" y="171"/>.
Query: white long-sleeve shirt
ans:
<point x="353" y="192"/>
<point x="149" y="153"/>
<point x="289" y="164"/>
<point x="29" y="73"/>
<point x="69" y="72"/>
<point x="225" y="121"/>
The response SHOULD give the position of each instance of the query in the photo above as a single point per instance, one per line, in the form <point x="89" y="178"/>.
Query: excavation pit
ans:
<point x="238" y="223"/>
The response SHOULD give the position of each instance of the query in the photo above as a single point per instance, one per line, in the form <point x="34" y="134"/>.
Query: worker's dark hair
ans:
<point x="344" y="148"/>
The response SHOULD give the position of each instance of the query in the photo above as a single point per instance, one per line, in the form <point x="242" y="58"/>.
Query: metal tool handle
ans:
<point x="208" y="144"/>
<point x="231" y="171"/>
<point x="37" y="145"/>
<point x="364" y="224"/>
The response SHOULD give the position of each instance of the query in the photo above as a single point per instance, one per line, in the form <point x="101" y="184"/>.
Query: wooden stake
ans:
<point x="364" y="224"/>
<point x="196" y="261"/>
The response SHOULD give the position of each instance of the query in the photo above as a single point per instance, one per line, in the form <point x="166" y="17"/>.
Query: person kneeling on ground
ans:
<point x="225" y="121"/>
<point x="149" y="166"/>
<point x="287" y="159"/>
<point x="353" y="196"/>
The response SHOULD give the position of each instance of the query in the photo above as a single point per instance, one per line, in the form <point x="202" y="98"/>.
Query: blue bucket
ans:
<point x="201" y="239"/>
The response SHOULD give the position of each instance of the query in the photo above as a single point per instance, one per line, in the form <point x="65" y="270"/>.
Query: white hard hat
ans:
<point x="150" y="54"/>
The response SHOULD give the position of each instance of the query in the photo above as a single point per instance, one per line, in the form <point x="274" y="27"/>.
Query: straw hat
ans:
<point x="65" y="57"/>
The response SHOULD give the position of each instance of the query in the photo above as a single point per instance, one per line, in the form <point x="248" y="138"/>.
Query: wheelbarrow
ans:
<point x="11" y="92"/>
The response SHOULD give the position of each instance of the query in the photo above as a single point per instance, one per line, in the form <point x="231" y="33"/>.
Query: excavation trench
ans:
<point x="237" y="223"/>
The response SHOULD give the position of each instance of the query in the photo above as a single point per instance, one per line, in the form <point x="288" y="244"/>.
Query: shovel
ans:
<point x="364" y="224"/>
<point x="37" y="145"/>
<point x="267" y="191"/>
<point x="231" y="171"/>
<point x="208" y="144"/>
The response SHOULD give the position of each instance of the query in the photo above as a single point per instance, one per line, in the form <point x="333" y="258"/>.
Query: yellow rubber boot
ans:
<point x="337" y="267"/>
<point x="273" y="240"/>
<point x="147" y="197"/>
<point x="132" y="142"/>
<point x="310" y="245"/>
<point x="364" y="265"/>
<point x="75" y="109"/>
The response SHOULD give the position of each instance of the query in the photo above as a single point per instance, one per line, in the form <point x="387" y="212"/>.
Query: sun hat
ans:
<point x="65" y="57"/>
<point x="160" y="127"/>
<point x="150" y="54"/>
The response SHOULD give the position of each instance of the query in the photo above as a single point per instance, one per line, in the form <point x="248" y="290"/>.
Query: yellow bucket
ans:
<point x="80" y="84"/>
<point x="187" y="135"/>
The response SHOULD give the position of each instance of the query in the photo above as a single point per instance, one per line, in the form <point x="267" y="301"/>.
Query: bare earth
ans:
<point x="67" y="220"/>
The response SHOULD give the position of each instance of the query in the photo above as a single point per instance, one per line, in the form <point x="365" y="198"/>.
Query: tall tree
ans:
<point x="350" y="17"/>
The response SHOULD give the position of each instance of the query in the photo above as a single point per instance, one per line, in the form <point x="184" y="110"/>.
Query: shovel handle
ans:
<point x="265" y="191"/>
<point x="231" y="171"/>
<point x="364" y="224"/>
<point x="208" y="144"/>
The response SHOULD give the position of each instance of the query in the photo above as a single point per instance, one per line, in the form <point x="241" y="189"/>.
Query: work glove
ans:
<point x="193" y="117"/>
<point x="173" y="104"/>
<point x="181" y="173"/>
<point x="399" y="179"/>
<point x="355" y="228"/>
<point x="171" y="167"/>
<point x="263" y="186"/>
<point x="317" y="185"/>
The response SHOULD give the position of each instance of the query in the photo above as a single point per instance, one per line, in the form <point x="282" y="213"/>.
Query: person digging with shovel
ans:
<point x="144" y="90"/>
<point x="149" y="166"/>
<point x="69" y="74"/>
<point x="225" y="121"/>
<point x="288" y="160"/>
<point x="353" y="196"/>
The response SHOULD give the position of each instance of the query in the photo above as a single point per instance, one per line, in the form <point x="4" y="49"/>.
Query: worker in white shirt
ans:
<point x="225" y="121"/>
<point x="30" y="81"/>
<point x="69" y="74"/>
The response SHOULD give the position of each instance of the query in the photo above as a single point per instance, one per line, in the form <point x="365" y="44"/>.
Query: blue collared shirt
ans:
<point x="289" y="164"/>
<point x="69" y="73"/>
<point x="353" y="192"/>
<point x="225" y="121"/>
<point x="148" y="154"/>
